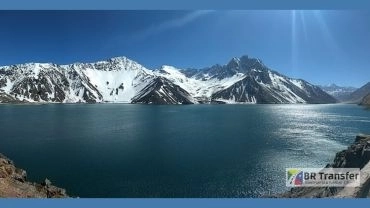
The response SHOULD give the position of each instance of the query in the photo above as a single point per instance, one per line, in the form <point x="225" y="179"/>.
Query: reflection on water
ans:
<point x="175" y="151"/>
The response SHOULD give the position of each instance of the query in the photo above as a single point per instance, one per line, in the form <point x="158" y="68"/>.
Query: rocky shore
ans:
<point x="14" y="184"/>
<point x="356" y="156"/>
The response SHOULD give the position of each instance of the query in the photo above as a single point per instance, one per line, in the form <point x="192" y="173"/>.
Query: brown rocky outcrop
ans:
<point x="14" y="184"/>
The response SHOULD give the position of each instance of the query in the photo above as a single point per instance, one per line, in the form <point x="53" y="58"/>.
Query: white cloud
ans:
<point x="173" y="23"/>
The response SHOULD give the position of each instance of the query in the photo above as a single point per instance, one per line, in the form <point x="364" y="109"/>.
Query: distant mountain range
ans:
<point x="349" y="94"/>
<point x="242" y="80"/>
<point x="340" y="93"/>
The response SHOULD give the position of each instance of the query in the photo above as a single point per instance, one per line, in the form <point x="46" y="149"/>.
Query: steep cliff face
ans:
<point x="14" y="184"/>
<point x="356" y="156"/>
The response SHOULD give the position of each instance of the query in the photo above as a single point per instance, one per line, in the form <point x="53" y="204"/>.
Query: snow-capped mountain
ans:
<point x="115" y="80"/>
<point x="242" y="80"/>
<point x="162" y="91"/>
<point x="339" y="92"/>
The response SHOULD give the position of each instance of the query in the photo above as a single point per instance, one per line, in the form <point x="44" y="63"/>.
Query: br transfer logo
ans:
<point x="295" y="177"/>
<point x="322" y="177"/>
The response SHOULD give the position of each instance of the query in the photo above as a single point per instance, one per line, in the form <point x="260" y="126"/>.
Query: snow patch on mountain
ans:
<point x="198" y="88"/>
<point x="282" y="85"/>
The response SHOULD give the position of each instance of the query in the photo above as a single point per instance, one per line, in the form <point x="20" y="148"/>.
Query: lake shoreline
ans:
<point x="122" y="103"/>
<point x="357" y="155"/>
<point x="14" y="184"/>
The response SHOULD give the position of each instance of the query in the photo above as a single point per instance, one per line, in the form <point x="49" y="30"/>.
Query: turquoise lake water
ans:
<point x="121" y="150"/>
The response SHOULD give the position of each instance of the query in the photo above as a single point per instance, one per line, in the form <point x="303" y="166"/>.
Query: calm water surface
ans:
<point x="118" y="150"/>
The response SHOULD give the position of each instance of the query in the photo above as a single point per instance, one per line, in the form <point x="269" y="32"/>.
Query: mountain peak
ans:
<point x="119" y="58"/>
<point x="234" y="62"/>
<point x="248" y="60"/>
<point x="333" y="85"/>
<point x="244" y="63"/>
<point x="168" y="67"/>
<point x="114" y="60"/>
<point x="243" y="57"/>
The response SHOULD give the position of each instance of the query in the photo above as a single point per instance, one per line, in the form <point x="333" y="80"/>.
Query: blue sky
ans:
<point x="321" y="47"/>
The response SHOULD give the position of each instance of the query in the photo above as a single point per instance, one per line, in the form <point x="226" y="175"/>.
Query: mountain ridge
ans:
<point x="358" y="95"/>
<point x="123" y="80"/>
<point x="341" y="93"/>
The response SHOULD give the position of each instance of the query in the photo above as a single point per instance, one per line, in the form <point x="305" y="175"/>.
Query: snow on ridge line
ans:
<point x="198" y="87"/>
<point x="119" y="59"/>
<point x="120" y="79"/>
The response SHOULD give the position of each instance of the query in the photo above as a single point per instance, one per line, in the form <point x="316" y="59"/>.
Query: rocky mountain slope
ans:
<point x="6" y="98"/>
<point x="162" y="91"/>
<point x="242" y="80"/>
<point x="14" y="184"/>
<point x="338" y="92"/>
<point x="366" y="100"/>
<point x="359" y="94"/>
